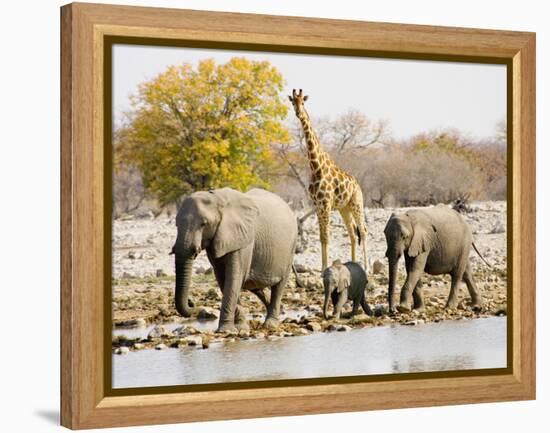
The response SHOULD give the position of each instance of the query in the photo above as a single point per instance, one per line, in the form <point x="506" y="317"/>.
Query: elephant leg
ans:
<point x="366" y="307"/>
<point x="232" y="285"/>
<point x="452" y="302"/>
<point x="240" y="319"/>
<point x="274" y="307"/>
<point x="355" y="308"/>
<point x="475" y="296"/>
<point x="415" y="268"/>
<point x="418" y="299"/>
<point x="262" y="296"/>
<point x="342" y="298"/>
<point x="350" y="226"/>
<point x="334" y="297"/>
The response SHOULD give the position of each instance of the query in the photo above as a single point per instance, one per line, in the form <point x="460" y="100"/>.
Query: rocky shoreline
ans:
<point x="153" y="299"/>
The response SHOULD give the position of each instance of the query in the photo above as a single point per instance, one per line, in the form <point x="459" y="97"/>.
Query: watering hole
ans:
<point x="448" y="345"/>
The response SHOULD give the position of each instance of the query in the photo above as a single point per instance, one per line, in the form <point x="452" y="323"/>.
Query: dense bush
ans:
<point x="213" y="125"/>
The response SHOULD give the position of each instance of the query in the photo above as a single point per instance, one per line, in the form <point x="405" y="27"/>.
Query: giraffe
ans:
<point x="331" y="188"/>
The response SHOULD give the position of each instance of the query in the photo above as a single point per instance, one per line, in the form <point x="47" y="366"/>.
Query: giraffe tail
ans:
<point x="358" y="234"/>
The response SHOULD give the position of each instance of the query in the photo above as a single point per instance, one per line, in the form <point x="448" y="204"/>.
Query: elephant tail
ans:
<point x="479" y="254"/>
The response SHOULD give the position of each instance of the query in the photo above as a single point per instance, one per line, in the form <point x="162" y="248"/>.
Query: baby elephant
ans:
<point x="343" y="282"/>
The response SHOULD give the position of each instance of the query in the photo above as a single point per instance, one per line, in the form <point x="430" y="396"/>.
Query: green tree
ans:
<point x="204" y="127"/>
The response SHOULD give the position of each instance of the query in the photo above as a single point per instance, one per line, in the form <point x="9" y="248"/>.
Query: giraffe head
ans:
<point x="298" y="100"/>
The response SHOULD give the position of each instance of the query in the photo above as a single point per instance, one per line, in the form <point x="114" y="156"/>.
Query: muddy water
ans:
<point x="457" y="345"/>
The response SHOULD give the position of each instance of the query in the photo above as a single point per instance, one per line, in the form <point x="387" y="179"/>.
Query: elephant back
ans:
<point x="358" y="277"/>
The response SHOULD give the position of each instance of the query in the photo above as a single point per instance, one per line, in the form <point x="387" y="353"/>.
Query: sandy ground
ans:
<point x="143" y="277"/>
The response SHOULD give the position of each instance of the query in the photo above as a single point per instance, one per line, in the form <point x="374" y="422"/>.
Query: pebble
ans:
<point x="157" y="332"/>
<point x="414" y="322"/>
<point x="183" y="331"/>
<point x="314" y="327"/>
<point x="161" y="346"/>
<point x="332" y="327"/>
<point x="301" y="268"/>
<point x="377" y="267"/>
<point x="122" y="350"/>
<point x="192" y="340"/>
<point x="206" y="313"/>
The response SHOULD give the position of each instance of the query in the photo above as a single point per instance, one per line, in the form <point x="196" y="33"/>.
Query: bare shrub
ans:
<point x="398" y="176"/>
<point x="128" y="190"/>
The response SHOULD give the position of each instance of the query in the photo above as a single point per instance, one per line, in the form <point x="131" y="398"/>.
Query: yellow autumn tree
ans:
<point x="209" y="126"/>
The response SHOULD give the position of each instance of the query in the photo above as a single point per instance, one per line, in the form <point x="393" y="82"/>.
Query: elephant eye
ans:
<point x="203" y="223"/>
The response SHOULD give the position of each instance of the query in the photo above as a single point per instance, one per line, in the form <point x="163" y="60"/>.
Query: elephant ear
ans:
<point x="344" y="280"/>
<point x="389" y="223"/>
<point x="423" y="238"/>
<point x="237" y="225"/>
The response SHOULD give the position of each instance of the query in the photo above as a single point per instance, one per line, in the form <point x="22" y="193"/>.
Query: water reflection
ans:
<point x="433" y="347"/>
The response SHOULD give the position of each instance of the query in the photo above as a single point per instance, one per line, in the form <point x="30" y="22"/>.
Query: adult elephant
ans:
<point x="249" y="239"/>
<point x="435" y="240"/>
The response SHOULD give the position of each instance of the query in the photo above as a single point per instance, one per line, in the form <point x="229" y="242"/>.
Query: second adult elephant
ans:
<point x="249" y="239"/>
<point x="435" y="240"/>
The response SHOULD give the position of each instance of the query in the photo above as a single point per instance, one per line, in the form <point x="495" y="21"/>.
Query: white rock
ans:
<point x="122" y="350"/>
<point x="157" y="332"/>
<point x="314" y="327"/>
<point x="192" y="340"/>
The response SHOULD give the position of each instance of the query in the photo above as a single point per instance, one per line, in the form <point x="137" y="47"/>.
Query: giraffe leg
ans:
<point x="358" y="213"/>
<point x="350" y="226"/>
<point x="323" y="214"/>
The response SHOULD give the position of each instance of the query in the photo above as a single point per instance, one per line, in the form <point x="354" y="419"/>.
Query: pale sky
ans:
<point x="413" y="96"/>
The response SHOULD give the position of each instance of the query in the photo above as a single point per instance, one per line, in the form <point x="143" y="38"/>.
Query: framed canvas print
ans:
<point x="265" y="215"/>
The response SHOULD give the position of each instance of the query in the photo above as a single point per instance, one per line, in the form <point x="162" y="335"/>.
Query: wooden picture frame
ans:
<point x="86" y="400"/>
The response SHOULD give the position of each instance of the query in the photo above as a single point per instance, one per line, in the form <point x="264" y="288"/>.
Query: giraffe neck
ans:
<point x="314" y="149"/>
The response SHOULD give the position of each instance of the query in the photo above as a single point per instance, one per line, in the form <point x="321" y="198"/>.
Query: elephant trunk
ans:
<point x="183" y="283"/>
<point x="325" y="306"/>
<point x="393" y="262"/>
